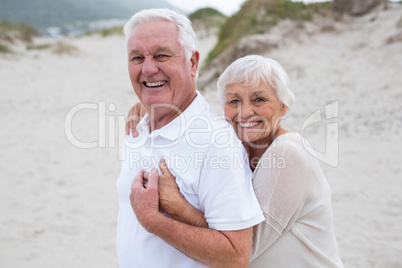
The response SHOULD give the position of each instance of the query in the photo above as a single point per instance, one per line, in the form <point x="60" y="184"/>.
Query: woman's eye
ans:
<point x="234" y="101"/>
<point x="259" y="100"/>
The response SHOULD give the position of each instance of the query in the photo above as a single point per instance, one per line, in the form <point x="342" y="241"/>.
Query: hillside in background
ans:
<point x="71" y="14"/>
<point x="249" y="31"/>
<point x="258" y="16"/>
<point x="207" y="19"/>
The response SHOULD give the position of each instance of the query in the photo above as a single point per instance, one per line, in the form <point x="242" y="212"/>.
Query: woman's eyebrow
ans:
<point x="233" y="94"/>
<point x="259" y="93"/>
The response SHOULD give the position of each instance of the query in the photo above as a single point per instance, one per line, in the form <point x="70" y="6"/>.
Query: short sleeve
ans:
<point x="225" y="190"/>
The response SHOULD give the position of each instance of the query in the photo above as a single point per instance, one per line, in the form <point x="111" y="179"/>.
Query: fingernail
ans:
<point x="154" y="170"/>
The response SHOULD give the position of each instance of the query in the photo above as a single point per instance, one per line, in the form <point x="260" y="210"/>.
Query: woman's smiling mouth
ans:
<point x="248" y="124"/>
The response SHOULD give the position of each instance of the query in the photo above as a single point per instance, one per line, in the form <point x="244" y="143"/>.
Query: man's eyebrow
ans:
<point x="135" y="51"/>
<point x="157" y="50"/>
<point x="162" y="49"/>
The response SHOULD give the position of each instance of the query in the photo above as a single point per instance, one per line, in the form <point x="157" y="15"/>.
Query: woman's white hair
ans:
<point x="187" y="37"/>
<point x="251" y="71"/>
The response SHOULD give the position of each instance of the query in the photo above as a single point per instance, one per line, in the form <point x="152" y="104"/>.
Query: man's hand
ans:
<point x="169" y="193"/>
<point x="172" y="202"/>
<point x="211" y="247"/>
<point x="136" y="113"/>
<point x="145" y="200"/>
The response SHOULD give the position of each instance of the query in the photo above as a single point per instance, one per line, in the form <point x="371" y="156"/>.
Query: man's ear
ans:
<point x="194" y="60"/>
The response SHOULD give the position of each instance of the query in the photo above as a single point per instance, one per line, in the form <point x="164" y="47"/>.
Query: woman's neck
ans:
<point x="256" y="149"/>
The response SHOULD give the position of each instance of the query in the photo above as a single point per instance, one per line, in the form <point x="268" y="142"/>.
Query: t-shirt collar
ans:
<point x="177" y="127"/>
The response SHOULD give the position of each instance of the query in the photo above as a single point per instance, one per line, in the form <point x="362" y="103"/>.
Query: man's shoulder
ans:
<point x="201" y="114"/>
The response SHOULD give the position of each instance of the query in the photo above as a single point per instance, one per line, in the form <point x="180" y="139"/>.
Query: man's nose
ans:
<point x="149" y="67"/>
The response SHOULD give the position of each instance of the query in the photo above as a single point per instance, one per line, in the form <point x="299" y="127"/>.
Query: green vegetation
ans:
<point x="58" y="48"/>
<point x="64" y="48"/>
<point x="39" y="47"/>
<point x="205" y="13"/>
<point x="287" y="9"/>
<point x="118" y="30"/>
<point x="206" y="19"/>
<point x="112" y="31"/>
<point x="5" y="49"/>
<point x="257" y="16"/>
<point x="9" y="32"/>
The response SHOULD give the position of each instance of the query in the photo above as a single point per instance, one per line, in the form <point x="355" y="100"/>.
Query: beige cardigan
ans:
<point x="296" y="201"/>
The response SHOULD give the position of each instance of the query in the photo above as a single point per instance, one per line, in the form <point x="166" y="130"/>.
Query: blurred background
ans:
<point x="65" y="93"/>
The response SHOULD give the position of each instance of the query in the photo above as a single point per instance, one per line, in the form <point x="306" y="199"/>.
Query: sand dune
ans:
<point x="58" y="201"/>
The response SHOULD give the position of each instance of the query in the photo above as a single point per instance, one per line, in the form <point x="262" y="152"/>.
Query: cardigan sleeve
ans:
<point x="284" y="183"/>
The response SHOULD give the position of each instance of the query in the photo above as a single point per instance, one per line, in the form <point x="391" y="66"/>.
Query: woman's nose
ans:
<point x="245" y="110"/>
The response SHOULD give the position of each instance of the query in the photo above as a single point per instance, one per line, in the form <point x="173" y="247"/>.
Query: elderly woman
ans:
<point x="289" y="184"/>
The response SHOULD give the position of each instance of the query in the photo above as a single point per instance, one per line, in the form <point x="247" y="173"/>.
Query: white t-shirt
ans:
<point x="211" y="169"/>
<point x="295" y="198"/>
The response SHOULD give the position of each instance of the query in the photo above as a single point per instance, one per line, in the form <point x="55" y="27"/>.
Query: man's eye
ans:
<point x="137" y="59"/>
<point x="259" y="100"/>
<point x="234" y="101"/>
<point x="161" y="57"/>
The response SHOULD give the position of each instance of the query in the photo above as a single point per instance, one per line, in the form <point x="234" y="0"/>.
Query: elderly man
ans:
<point x="198" y="148"/>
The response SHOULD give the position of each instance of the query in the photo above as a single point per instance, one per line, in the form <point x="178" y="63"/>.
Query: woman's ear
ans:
<point x="284" y="109"/>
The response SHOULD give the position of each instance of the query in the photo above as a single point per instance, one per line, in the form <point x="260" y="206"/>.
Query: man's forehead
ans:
<point x="155" y="33"/>
<point x="157" y="24"/>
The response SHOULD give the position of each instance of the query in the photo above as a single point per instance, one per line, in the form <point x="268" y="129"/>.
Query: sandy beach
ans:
<point x="63" y="117"/>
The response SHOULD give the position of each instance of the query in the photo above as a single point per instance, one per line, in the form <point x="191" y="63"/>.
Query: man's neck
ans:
<point x="159" y="118"/>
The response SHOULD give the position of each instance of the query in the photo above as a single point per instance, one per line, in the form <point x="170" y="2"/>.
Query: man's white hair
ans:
<point x="187" y="37"/>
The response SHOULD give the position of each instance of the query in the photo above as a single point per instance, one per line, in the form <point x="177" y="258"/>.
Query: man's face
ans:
<point x="158" y="69"/>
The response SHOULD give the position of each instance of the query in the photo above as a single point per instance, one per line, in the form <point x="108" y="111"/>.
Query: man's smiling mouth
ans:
<point x="155" y="84"/>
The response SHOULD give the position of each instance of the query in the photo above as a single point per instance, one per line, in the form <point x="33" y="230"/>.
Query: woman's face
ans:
<point x="254" y="112"/>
